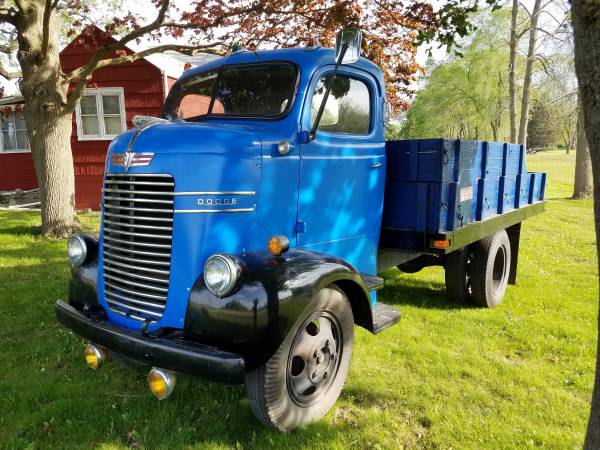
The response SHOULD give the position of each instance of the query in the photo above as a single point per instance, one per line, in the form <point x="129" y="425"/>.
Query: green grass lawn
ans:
<point x="518" y="376"/>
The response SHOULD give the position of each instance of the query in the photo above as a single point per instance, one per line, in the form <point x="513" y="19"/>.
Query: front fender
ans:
<point x="83" y="285"/>
<point x="272" y="293"/>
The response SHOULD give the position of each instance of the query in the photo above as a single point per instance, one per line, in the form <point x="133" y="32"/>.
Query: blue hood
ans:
<point x="208" y="162"/>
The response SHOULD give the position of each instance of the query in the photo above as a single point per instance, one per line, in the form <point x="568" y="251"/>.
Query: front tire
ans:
<point x="303" y="379"/>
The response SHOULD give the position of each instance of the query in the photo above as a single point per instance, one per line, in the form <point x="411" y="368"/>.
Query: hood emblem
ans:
<point x="130" y="159"/>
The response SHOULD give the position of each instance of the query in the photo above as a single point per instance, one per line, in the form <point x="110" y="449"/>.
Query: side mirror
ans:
<point x="352" y="38"/>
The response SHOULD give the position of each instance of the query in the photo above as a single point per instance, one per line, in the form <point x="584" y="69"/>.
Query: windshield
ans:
<point x="245" y="90"/>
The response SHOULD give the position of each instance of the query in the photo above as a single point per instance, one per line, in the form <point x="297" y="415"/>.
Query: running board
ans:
<point x="384" y="316"/>
<point x="373" y="283"/>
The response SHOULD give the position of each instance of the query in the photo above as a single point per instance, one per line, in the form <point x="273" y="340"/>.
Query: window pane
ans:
<point x="10" y="141"/>
<point x="348" y="106"/>
<point x="88" y="105"/>
<point x="22" y="140"/>
<point x="20" y="121"/>
<point x="256" y="89"/>
<point x="111" y="104"/>
<point x="112" y="125"/>
<point x="90" y="125"/>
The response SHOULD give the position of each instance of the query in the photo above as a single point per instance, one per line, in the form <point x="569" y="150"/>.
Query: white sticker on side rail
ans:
<point x="466" y="194"/>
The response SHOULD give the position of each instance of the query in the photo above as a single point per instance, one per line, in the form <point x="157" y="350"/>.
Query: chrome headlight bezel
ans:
<point x="77" y="260"/>
<point x="89" y="247"/>
<point x="234" y="269"/>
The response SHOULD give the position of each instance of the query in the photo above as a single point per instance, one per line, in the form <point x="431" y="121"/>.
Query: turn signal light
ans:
<point x="95" y="356"/>
<point x="161" y="383"/>
<point x="441" y="243"/>
<point x="278" y="245"/>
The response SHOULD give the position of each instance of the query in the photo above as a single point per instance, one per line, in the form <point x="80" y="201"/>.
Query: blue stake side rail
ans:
<point x="460" y="191"/>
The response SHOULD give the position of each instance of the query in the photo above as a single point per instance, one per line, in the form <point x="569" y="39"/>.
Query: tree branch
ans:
<point x="82" y="74"/>
<point x="46" y="27"/>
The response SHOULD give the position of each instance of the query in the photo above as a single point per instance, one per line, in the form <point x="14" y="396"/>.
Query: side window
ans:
<point x="348" y="108"/>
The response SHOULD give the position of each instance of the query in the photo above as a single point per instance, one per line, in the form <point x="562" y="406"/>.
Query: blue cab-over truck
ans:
<point x="242" y="231"/>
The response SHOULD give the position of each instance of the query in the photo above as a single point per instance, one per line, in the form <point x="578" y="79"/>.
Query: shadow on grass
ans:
<point x="21" y="230"/>
<point x="406" y="290"/>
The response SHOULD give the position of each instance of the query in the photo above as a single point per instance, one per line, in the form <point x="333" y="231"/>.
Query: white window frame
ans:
<point x="18" y="150"/>
<point x="98" y="92"/>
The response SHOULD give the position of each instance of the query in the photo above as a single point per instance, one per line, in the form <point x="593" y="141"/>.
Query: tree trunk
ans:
<point x="586" y="26"/>
<point x="512" y="89"/>
<point x="48" y="125"/>
<point x="583" y="186"/>
<point x="535" y="14"/>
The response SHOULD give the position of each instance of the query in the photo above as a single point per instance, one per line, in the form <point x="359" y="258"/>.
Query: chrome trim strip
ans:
<point x="133" y="233"/>
<point x="193" y="211"/>
<point x="136" y="199"/>
<point x="143" y="311"/>
<point x="122" y="297"/>
<point x="133" y="283"/>
<point x="141" y="261"/>
<point x="141" y="244"/>
<point x="217" y="193"/>
<point x="128" y="266"/>
<point x="141" y="294"/>
<point x="139" y="252"/>
<point x="155" y="175"/>
<point x="135" y="275"/>
<point x="125" y="191"/>
<point x="144" y="183"/>
<point x="136" y="225"/>
<point x="127" y="208"/>
<point x="158" y="219"/>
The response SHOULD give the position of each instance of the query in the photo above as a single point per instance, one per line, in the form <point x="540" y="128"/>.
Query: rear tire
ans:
<point x="458" y="275"/>
<point x="303" y="379"/>
<point x="490" y="269"/>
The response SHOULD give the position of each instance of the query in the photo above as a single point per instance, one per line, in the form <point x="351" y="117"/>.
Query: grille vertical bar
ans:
<point x="138" y="233"/>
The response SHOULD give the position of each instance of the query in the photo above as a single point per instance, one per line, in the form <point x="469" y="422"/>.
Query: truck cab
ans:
<point x="240" y="234"/>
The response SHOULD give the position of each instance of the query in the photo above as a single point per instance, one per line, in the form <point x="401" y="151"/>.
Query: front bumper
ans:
<point x="172" y="353"/>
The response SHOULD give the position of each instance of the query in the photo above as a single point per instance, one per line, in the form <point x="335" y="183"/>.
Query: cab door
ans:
<point x="342" y="171"/>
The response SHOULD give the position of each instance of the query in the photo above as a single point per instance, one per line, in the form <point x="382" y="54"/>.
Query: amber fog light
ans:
<point x="95" y="356"/>
<point x="161" y="383"/>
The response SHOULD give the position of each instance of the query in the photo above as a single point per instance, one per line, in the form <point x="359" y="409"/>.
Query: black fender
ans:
<point x="83" y="285"/>
<point x="269" y="298"/>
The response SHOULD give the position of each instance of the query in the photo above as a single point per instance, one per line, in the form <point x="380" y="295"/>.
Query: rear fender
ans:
<point x="271" y="295"/>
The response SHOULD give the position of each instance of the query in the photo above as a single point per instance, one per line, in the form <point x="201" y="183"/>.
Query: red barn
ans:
<point x="112" y="98"/>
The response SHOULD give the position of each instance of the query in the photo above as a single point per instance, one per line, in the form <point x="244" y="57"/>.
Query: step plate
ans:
<point x="373" y="283"/>
<point x="384" y="316"/>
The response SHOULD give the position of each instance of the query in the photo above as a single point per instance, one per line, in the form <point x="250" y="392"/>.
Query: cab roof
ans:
<point x="307" y="58"/>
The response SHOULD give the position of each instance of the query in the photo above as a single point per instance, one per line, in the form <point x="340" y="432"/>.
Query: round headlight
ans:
<point x="221" y="274"/>
<point x="77" y="250"/>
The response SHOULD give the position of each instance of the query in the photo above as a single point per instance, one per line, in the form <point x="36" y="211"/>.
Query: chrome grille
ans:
<point x="138" y="229"/>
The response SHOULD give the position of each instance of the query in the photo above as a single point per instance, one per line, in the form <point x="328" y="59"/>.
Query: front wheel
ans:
<point x="303" y="379"/>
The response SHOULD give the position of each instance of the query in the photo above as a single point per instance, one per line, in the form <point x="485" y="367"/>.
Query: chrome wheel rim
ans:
<point x="314" y="358"/>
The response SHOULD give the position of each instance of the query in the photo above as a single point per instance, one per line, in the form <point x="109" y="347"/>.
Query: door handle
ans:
<point x="376" y="165"/>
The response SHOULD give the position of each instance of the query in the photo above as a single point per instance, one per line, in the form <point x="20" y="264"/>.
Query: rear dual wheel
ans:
<point x="479" y="273"/>
<point x="303" y="379"/>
